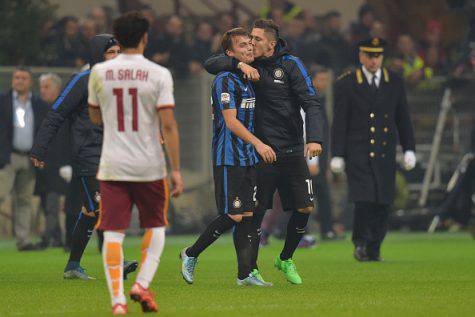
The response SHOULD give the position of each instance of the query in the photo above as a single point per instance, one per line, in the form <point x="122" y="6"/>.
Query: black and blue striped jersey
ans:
<point x="229" y="91"/>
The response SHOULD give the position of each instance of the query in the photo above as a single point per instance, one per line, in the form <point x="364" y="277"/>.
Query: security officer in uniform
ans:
<point x="370" y="115"/>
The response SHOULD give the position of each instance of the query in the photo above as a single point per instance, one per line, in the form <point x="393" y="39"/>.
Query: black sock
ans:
<point x="242" y="236"/>
<point x="100" y="239"/>
<point x="211" y="234"/>
<point x="81" y="234"/>
<point x="256" y="237"/>
<point x="295" y="231"/>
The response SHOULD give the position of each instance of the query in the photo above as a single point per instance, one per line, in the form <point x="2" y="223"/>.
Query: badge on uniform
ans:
<point x="278" y="73"/>
<point x="225" y="97"/>
<point x="237" y="203"/>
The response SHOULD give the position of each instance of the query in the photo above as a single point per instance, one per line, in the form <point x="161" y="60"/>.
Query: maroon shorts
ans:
<point x="117" y="198"/>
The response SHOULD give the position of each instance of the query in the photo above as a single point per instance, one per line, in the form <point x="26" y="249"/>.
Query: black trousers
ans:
<point x="72" y="207"/>
<point x="370" y="224"/>
<point x="50" y="206"/>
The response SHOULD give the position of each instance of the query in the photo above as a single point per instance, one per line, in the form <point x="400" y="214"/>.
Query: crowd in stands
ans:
<point x="182" y="44"/>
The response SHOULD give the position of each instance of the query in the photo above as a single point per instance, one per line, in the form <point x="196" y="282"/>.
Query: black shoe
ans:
<point x="360" y="254"/>
<point x="129" y="267"/>
<point x="29" y="247"/>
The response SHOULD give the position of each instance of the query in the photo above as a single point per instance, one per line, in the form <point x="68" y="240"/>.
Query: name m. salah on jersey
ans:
<point x="127" y="74"/>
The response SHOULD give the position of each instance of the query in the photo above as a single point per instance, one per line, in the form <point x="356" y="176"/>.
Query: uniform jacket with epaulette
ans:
<point x="366" y="129"/>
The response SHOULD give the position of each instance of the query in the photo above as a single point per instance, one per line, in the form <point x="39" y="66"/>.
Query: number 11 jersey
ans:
<point x="129" y="90"/>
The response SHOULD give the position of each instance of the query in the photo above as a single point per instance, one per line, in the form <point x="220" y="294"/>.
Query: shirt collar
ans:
<point x="370" y="75"/>
<point x="15" y="95"/>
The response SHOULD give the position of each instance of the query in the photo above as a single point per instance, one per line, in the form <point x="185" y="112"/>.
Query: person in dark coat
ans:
<point x="370" y="114"/>
<point x="86" y="144"/>
<point x="50" y="184"/>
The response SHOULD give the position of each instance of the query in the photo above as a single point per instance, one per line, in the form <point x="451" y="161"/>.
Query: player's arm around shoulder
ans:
<point x="93" y="87"/>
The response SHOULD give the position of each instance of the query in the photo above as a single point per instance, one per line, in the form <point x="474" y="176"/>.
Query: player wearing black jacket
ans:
<point x="72" y="106"/>
<point x="282" y="87"/>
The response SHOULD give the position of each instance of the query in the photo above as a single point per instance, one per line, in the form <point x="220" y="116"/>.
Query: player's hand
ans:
<point x="177" y="184"/>
<point x="313" y="149"/>
<point x="266" y="152"/>
<point x="337" y="165"/>
<point x="37" y="162"/>
<point x="249" y="72"/>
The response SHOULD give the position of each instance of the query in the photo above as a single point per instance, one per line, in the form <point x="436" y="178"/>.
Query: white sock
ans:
<point x="152" y="247"/>
<point x="113" y="258"/>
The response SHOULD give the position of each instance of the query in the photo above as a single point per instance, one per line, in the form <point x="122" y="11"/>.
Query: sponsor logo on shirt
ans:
<point x="248" y="103"/>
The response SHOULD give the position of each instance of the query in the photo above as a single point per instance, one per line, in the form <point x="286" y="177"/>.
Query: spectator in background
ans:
<point x="87" y="29"/>
<point x="378" y="30"/>
<point x="67" y="44"/>
<point x="332" y="49"/>
<point x="295" y="35"/>
<point x="466" y="71"/>
<point x="151" y="17"/>
<point x="413" y="66"/>
<point x="362" y="29"/>
<point x="396" y="64"/>
<point x="201" y="47"/>
<point x="101" y="20"/>
<point x="50" y="185"/>
<point x="21" y="114"/>
<point x="432" y="52"/>
<point x="281" y="11"/>
<point x="170" y="49"/>
<point x="321" y="78"/>
<point x="225" y="23"/>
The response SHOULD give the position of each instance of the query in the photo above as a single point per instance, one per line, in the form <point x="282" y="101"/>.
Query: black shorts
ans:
<point x="290" y="176"/>
<point x="235" y="189"/>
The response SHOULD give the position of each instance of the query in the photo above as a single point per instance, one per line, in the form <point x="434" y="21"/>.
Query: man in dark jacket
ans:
<point x="86" y="150"/>
<point x="50" y="185"/>
<point x="283" y="86"/>
<point x="370" y="114"/>
<point x="21" y="113"/>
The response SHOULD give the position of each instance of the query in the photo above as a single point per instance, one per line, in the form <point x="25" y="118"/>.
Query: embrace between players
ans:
<point x="257" y="109"/>
<point x="132" y="169"/>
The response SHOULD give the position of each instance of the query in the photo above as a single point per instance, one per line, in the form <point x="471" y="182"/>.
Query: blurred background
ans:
<point x="431" y="44"/>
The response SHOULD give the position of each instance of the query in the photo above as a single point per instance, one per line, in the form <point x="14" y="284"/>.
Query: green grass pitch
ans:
<point x="423" y="275"/>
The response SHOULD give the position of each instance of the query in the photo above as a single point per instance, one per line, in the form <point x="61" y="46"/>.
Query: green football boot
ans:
<point x="289" y="270"/>
<point x="258" y="275"/>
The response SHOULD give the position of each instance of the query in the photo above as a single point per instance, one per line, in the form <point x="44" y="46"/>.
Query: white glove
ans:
<point x="409" y="160"/>
<point x="66" y="172"/>
<point x="337" y="165"/>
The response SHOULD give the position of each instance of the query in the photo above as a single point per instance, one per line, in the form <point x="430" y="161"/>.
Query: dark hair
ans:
<point x="129" y="29"/>
<point x="227" y="39"/>
<point x="332" y="14"/>
<point x="23" y="69"/>
<point x="365" y="9"/>
<point x="268" y="26"/>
